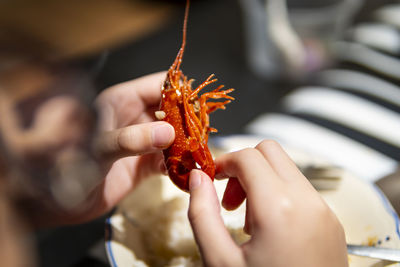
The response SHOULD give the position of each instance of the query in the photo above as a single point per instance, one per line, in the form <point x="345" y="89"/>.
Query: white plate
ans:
<point x="367" y="217"/>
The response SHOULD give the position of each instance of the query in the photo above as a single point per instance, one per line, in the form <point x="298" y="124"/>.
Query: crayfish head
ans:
<point x="167" y="84"/>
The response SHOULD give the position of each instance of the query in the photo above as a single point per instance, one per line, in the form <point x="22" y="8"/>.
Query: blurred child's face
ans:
<point x="45" y="130"/>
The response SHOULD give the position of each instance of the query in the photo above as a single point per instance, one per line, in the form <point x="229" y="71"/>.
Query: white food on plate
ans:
<point x="159" y="209"/>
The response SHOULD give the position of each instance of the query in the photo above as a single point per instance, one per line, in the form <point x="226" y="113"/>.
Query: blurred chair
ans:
<point x="349" y="111"/>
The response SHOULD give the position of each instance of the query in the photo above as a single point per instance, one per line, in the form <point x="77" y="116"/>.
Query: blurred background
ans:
<point x="120" y="40"/>
<point x="248" y="47"/>
<point x="125" y="39"/>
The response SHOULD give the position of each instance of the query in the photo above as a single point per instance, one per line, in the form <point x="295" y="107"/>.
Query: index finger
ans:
<point x="148" y="87"/>
<point x="124" y="103"/>
<point x="256" y="176"/>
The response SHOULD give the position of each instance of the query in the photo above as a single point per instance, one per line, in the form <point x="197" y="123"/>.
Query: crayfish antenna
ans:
<point x="178" y="60"/>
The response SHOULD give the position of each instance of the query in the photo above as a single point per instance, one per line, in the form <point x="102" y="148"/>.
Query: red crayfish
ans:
<point x="188" y="112"/>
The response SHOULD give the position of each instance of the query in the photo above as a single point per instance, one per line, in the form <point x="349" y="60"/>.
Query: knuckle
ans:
<point x="132" y="138"/>
<point x="241" y="158"/>
<point x="192" y="214"/>
<point x="323" y="213"/>
<point x="328" y="218"/>
<point x="237" y="156"/>
<point x="321" y="209"/>
<point x="286" y="207"/>
<point x="285" y="211"/>
<point x="120" y="140"/>
<point x="268" y="145"/>
<point x="124" y="138"/>
<point x="196" y="212"/>
<point x="245" y="154"/>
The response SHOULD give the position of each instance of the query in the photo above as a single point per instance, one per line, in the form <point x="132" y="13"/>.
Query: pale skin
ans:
<point x="129" y="142"/>
<point x="285" y="215"/>
<point x="289" y="223"/>
<point x="127" y="146"/>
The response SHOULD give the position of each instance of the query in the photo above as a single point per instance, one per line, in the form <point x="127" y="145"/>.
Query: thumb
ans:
<point x="134" y="140"/>
<point x="216" y="245"/>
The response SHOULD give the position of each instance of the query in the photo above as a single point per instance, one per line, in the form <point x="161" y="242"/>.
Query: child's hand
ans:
<point x="289" y="223"/>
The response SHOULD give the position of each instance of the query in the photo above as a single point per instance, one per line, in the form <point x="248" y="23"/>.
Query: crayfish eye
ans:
<point x="167" y="85"/>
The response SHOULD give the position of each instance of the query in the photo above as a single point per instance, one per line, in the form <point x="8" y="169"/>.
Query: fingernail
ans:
<point x="194" y="180"/>
<point x="162" y="135"/>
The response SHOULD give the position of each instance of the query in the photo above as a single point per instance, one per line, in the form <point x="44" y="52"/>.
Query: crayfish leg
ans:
<point x="204" y="119"/>
<point x="208" y="81"/>
<point x="193" y="124"/>
<point x="213" y="106"/>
